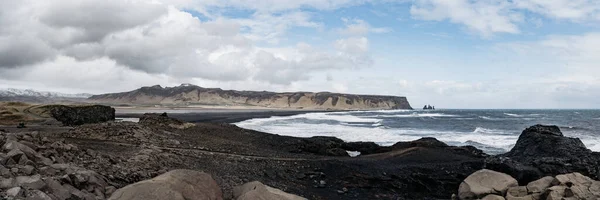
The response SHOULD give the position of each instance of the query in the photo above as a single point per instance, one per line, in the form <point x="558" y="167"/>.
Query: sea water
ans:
<point x="493" y="131"/>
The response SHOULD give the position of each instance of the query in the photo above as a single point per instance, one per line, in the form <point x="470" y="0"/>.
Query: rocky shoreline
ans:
<point x="92" y="161"/>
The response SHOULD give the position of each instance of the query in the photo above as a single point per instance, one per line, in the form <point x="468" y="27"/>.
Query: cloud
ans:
<point x="482" y="17"/>
<point x="159" y="39"/>
<point x="358" y="27"/>
<point x="575" y="10"/>
<point x="271" y="28"/>
<point x="274" y="5"/>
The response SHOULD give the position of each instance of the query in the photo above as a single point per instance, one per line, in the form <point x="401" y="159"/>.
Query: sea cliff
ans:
<point x="194" y="95"/>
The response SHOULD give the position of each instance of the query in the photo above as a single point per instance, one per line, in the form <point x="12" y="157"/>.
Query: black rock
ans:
<point x="79" y="115"/>
<point x="364" y="148"/>
<point x="544" y="151"/>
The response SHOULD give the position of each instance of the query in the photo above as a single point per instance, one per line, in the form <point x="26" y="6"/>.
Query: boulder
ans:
<point x="30" y="182"/>
<point x="258" y="191"/>
<point x="546" y="141"/>
<point x="162" y="120"/>
<point x="540" y="185"/>
<point x="493" y="197"/>
<point x="175" y="185"/>
<point x="423" y="142"/>
<point x="14" y="192"/>
<point x="544" y="151"/>
<point x="37" y="195"/>
<point x="79" y="115"/>
<point x="484" y="182"/>
<point x="518" y="193"/>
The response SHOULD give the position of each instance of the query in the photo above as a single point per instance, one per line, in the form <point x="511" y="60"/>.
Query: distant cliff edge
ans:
<point x="187" y="94"/>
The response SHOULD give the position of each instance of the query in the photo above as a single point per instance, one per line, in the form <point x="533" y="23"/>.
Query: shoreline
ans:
<point x="224" y="116"/>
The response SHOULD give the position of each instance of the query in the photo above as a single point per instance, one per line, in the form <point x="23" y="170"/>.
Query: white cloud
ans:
<point x="482" y="17"/>
<point x="358" y="27"/>
<point x="161" y="40"/>
<point x="271" y="28"/>
<point x="576" y="10"/>
<point x="504" y="16"/>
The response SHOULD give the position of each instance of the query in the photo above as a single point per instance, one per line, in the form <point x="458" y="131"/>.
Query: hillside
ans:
<point x="187" y="94"/>
<point x="34" y="96"/>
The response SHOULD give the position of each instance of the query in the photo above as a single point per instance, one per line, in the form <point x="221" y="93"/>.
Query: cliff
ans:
<point x="187" y="94"/>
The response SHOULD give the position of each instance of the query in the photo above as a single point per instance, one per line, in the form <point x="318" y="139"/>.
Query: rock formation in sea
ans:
<point x="187" y="94"/>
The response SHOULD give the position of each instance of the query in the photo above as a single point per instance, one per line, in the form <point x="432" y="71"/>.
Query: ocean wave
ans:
<point x="378" y="111"/>
<point x="492" y="118"/>
<point x="314" y="117"/>
<point x="522" y="115"/>
<point x="480" y="130"/>
<point x="386" y="136"/>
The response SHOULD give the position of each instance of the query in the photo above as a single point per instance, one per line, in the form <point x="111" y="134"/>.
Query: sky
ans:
<point x="448" y="53"/>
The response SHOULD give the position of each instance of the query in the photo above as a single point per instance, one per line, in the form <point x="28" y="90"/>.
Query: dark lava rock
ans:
<point x="79" y="115"/>
<point x="330" y="146"/>
<point x="423" y="142"/>
<point x="162" y="120"/>
<point x="543" y="150"/>
<point x="365" y="148"/>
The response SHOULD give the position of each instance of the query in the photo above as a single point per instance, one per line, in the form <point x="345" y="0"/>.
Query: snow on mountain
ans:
<point x="12" y="92"/>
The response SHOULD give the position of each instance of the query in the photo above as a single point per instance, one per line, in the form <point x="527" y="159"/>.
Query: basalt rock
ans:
<point x="164" y="121"/>
<point x="544" y="151"/>
<point x="79" y="115"/>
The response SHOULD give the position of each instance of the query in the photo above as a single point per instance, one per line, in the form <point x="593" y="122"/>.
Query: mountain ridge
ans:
<point x="192" y="94"/>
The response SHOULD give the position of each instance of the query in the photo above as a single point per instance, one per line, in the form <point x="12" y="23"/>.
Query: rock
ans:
<point x="257" y="190"/>
<point x="555" y="192"/>
<point x="484" y="182"/>
<point x="540" y="185"/>
<point x="27" y="169"/>
<point x="56" y="189"/>
<point x="573" y="179"/>
<point x="109" y="190"/>
<point x="6" y="183"/>
<point x="518" y="193"/>
<point x="330" y="146"/>
<point x="4" y="172"/>
<point x="79" y="115"/>
<point x="162" y="120"/>
<point x="14" y="192"/>
<point x="38" y="195"/>
<point x="492" y="197"/>
<point x="176" y="185"/>
<point x="543" y="150"/>
<point x="423" y="142"/>
<point x="14" y="145"/>
<point x="30" y="182"/>
<point x="365" y="148"/>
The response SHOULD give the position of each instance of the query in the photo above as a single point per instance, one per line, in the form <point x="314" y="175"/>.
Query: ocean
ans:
<point x="493" y="131"/>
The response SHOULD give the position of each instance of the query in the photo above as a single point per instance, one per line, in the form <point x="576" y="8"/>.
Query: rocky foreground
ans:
<point x="99" y="161"/>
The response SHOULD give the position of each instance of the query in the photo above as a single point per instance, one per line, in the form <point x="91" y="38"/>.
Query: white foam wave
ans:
<point x="480" y="130"/>
<point x="522" y="115"/>
<point x="382" y="135"/>
<point x="346" y="119"/>
<point x="378" y="111"/>
<point x="414" y="115"/>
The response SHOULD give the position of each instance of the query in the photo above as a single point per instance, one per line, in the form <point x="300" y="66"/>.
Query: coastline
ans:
<point x="218" y="115"/>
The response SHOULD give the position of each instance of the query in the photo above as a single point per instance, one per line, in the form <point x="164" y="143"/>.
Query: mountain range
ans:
<point x="34" y="96"/>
